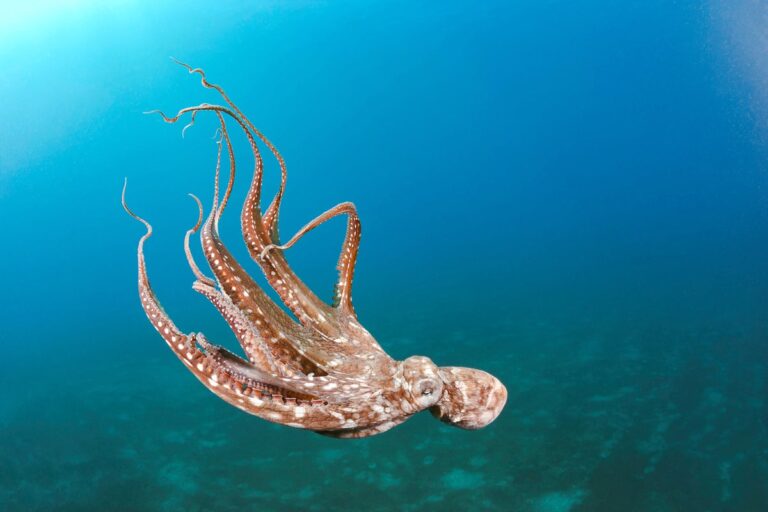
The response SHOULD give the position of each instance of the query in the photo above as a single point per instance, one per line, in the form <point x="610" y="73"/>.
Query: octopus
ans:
<point x="309" y="364"/>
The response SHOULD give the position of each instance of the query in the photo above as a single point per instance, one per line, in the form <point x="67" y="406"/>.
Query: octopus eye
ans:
<point x="427" y="388"/>
<point x="423" y="384"/>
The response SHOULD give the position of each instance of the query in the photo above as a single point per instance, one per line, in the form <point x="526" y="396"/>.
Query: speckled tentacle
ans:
<point x="271" y="322"/>
<point x="177" y="340"/>
<point x="270" y="217"/>
<point x="249" y="339"/>
<point x="349" y="250"/>
<point x="295" y="401"/>
<point x="260" y="231"/>
<point x="259" y="323"/>
<point x="328" y="340"/>
<point x="183" y="345"/>
<point x="190" y="259"/>
<point x="246" y="373"/>
<point x="322" y="404"/>
<point x="300" y="300"/>
<point x="367" y="431"/>
<point x="354" y="347"/>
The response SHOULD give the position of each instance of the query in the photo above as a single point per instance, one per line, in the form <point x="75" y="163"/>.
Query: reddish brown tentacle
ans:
<point x="190" y="259"/>
<point x="270" y="217"/>
<point x="349" y="251"/>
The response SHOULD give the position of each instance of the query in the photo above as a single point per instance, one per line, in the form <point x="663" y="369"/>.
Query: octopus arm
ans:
<point x="241" y="371"/>
<point x="349" y="250"/>
<point x="280" y="400"/>
<point x="331" y="331"/>
<point x="269" y="220"/>
<point x="183" y="345"/>
<point x="367" y="431"/>
<point x="190" y="259"/>
<point x="260" y="231"/>
<point x="253" y="317"/>
<point x="247" y="337"/>
<point x="293" y="347"/>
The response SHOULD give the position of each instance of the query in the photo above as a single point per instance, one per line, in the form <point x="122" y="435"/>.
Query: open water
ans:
<point x="572" y="196"/>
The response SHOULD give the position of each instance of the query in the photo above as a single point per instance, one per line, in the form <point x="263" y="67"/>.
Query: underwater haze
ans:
<point x="572" y="196"/>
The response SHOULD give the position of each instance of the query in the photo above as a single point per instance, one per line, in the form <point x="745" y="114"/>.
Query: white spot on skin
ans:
<point x="299" y="412"/>
<point x="330" y="386"/>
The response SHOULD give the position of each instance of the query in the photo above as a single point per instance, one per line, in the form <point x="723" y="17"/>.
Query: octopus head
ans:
<point x="421" y="381"/>
<point x="471" y="399"/>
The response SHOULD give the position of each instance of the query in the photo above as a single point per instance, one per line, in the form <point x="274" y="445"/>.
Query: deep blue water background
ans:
<point x="573" y="196"/>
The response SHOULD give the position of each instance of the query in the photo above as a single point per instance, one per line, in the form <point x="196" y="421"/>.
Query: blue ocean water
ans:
<point x="571" y="196"/>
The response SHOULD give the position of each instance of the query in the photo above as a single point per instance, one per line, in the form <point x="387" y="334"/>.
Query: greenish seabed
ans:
<point x="597" y="419"/>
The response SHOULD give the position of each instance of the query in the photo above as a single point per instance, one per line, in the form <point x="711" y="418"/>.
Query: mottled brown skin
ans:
<point x="325" y="373"/>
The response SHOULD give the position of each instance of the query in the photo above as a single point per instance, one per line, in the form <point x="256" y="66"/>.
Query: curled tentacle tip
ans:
<point x="132" y="214"/>
<point x="122" y="194"/>
<point x="194" y="228"/>
<point x="201" y="340"/>
<point x="203" y="282"/>
<point x="264" y="251"/>
<point x="191" y="122"/>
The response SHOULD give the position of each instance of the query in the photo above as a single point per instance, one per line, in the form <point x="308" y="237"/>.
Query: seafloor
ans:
<point x="658" y="417"/>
